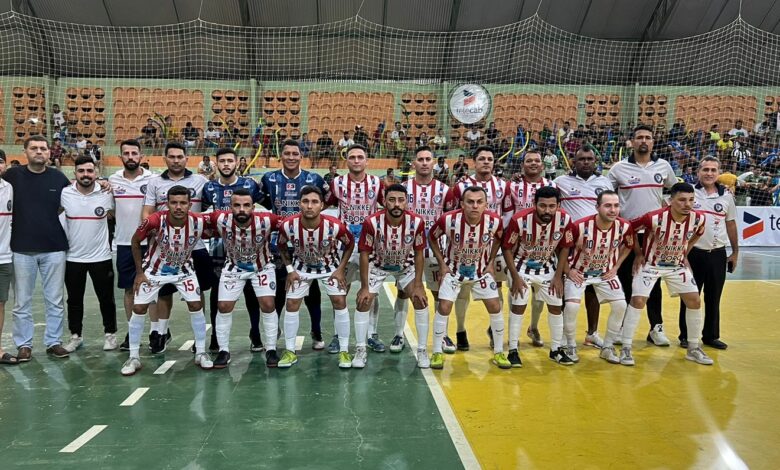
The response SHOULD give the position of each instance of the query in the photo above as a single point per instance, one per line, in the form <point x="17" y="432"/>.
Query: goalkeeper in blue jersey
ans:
<point x="281" y="193"/>
<point x="216" y="195"/>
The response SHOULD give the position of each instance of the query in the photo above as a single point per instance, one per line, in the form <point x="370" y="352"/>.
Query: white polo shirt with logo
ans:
<point x="720" y="208"/>
<point x="86" y="223"/>
<point x="578" y="195"/>
<point x="129" y="201"/>
<point x="640" y="187"/>
<point x="6" y="209"/>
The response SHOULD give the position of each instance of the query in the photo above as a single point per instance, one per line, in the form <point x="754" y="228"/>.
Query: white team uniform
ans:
<point x="129" y="201"/>
<point x="427" y="201"/>
<point x="391" y="248"/>
<point x="157" y="192"/>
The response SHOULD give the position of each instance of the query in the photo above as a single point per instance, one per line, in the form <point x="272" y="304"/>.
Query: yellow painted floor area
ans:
<point x="665" y="412"/>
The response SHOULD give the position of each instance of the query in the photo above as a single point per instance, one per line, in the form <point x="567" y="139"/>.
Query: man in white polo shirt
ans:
<point x="86" y="208"/>
<point x="129" y="185"/>
<point x="708" y="259"/>
<point x="6" y="256"/>
<point x="639" y="182"/>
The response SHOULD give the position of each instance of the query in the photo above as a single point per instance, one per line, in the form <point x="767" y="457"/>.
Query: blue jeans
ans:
<point x="52" y="268"/>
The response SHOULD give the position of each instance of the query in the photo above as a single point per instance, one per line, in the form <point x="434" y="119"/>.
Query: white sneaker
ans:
<point x="203" y="360"/>
<point x="610" y="355"/>
<point x="594" y="340"/>
<point x="359" y="361"/>
<point x="657" y="336"/>
<point x="423" y="361"/>
<point x="75" y="342"/>
<point x="110" y="343"/>
<point x="626" y="358"/>
<point x="698" y="356"/>
<point x="571" y="351"/>
<point x="131" y="366"/>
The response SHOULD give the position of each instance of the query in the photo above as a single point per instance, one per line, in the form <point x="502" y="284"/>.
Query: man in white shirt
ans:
<point x="86" y="209"/>
<point x="6" y="256"/>
<point x="550" y="164"/>
<point x="472" y="136"/>
<point x="738" y="130"/>
<point x="212" y="136"/>
<point x="206" y="168"/>
<point x="345" y="142"/>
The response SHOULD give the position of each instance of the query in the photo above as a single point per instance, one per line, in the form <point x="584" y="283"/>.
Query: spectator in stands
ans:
<point x="422" y="139"/>
<point x="729" y="180"/>
<point x="473" y="135"/>
<point x="761" y="192"/>
<point x="565" y="133"/>
<point x="15" y="163"/>
<point x="725" y="147"/>
<point x="550" y="164"/>
<point x="689" y="176"/>
<point x="389" y="178"/>
<point x="345" y="142"/>
<point x="212" y="138"/>
<point x="305" y="144"/>
<point x="360" y="138"/>
<point x="377" y="138"/>
<point x="439" y="141"/>
<point x="579" y="133"/>
<point x="742" y="156"/>
<point x="739" y="130"/>
<point x="206" y="168"/>
<point x="95" y="153"/>
<point x="331" y="175"/>
<point x="149" y="134"/>
<point x="170" y="131"/>
<point x="57" y="116"/>
<point x="242" y="165"/>
<point x="491" y="134"/>
<point x="441" y="171"/>
<point x="230" y="135"/>
<point x="190" y="136"/>
<point x="81" y="144"/>
<point x="503" y="147"/>
<point x="56" y="154"/>
<point x="460" y="168"/>
<point x="545" y="135"/>
<point x="324" y="149"/>
<point x="397" y="140"/>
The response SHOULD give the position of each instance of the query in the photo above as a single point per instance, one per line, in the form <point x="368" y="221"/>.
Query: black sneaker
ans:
<point x="125" y="346"/>
<point x="222" y="360"/>
<point x="256" y="343"/>
<point x="560" y="357"/>
<point x="213" y="346"/>
<point x="684" y="343"/>
<point x="490" y="336"/>
<point x="271" y="358"/>
<point x="156" y="343"/>
<point x="514" y="358"/>
<point x="462" y="340"/>
<point x="168" y="338"/>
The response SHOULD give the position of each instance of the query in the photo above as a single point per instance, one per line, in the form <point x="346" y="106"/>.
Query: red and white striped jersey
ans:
<point x="537" y="242"/>
<point x="170" y="248"/>
<point x="315" y="251"/>
<point x="356" y="200"/>
<point x="467" y="247"/>
<point x="498" y="199"/>
<point x="246" y="249"/>
<point x="157" y="192"/>
<point x="427" y="201"/>
<point x="522" y="192"/>
<point x="596" y="251"/>
<point x="666" y="241"/>
<point x="392" y="248"/>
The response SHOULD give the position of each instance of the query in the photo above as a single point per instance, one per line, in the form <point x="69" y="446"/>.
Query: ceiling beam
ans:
<point x="454" y="15"/>
<point x="584" y="17"/>
<point x="661" y="14"/>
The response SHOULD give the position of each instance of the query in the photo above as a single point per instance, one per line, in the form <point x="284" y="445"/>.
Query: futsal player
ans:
<point x="466" y="264"/>
<point x="173" y="235"/>
<point x="391" y="244"/>
<point x="322" y="248"/>
<point x="670" y="233"/>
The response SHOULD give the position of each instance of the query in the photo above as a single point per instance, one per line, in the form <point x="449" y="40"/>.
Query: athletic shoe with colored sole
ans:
<point x="501" y="361"/>
<point x="288" y="359"/>
<point x="437" y="361"/>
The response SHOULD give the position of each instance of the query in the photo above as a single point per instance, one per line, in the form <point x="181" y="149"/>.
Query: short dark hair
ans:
<point x="130" y="142"/>
<point x="473" y="189"/>
<point x="482" y="148"/>
<point x="174" y="145"/>
<point x="547" y="192"/>
<point x="35" y="138"/>
<point x="357" y="146"/>
<point x="399" y="188"/>
<point x="224" y="151"/>
<point x="83" y="160"/>
<point x="680" y="188"/>
<point x="710" y="158"/>
<point x="601" y="195"/>
<point x="309" y="189"/>
<point x="241" y="192"/>
<point x="536" y="151"/>
<point x="643" y="127"/>
<point x="422" y="148"/>
<point x="584" y="148"/>
<point x="178" y="190"/>
<point x="290" y="142"/>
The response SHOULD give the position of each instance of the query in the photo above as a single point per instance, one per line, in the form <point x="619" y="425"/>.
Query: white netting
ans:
<point x="278" y="82"/>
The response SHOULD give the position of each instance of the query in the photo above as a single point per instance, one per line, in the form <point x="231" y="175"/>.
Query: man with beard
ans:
<point x="217" y="194"/>
<point x="579" y="191"/>
<point x="639" y="182"/>
<point x="86" y="210"/>
<point x="129" y="185"/>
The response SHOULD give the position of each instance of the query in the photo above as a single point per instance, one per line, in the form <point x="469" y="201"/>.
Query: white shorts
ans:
<point x="540" y="284"/>
<point x="606" y="291"/>
<point x="481" y="289"/>
<point x="678" y="281"/>
<point x="301" y="289"/>
<point x="231" y="285"/>
<point x="500" y="268"/>
<point x="186" y="284"/>
<point x="353" y="268"/>
<point x="377" y="276"/>
<point x="431" y="272"/>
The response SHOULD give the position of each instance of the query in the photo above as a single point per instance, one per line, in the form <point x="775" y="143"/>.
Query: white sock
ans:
<point x="630" y="322"/>
<point x="198" y="322"/>
<point x="361" y="327"/>
<point x="223" y="323"/>
<point x="162" y="325"/>
<point x="439" y="330"/>
<point x="615" y="322"/>
<point x="271" y="327"/>
<point x="135" y="328"/>
<point x="290" y="330"/>
<point x="497" y="328"/>
<point x="570" y="311"/>
<point x="461" y="305"/>
<point x="693" y="321"/>
<point x="536" y="311"/>
<point x="515" y="327"/>
<point x="556" y="330"/>
<point x="374" y="316"/>
<point x="421" y="318"/>
<point x="341" y="323"/>
<point x="154" y="326"/>
<point x="400" y="311"/>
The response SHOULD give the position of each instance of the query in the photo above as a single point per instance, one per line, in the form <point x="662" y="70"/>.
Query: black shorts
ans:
<point x="125" y="266"/>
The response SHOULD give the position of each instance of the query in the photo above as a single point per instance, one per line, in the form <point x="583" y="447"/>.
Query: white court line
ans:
<point x="760" y="254"/>
<point x="465" y="452"/>
<point x="298" y="343"/>
<point x="135" y="396"/>
<point x="187" y="345"/>
<point x="772" y="283"/>
<point x="84" y="438"/>
<point x="164" y="367"/>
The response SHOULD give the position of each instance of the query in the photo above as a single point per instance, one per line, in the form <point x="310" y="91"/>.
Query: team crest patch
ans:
<point x="290" y="187"/>
<point x="658" y="178"/>
<point x="192" y="193"/>
<point x="436" y="199"/>
<point x="493" y="286"/>
<point x="696" y="205"/>
<point x="258" y="239"/>
<point x="143" y="189"/>
<point x="485" y="238"/>
<point x="499" y="193"/>
<point x="615" y="244"/>
<point x="230" y="285"/>
<point x="9" y="205"/>
<point x="688" y="235"/>
<point x="228" y="192"/>
<point x="647" y="281"/>
<point x="557" y="236"/>
<point x="197" y="291"/>
<point x="191" y="240"/>
<point x="100" y="212"/>
<point x="272" y="285"/>
<point x="408" y="239"/>
<point x="371" y="194"/>
<point x="599" y="191"/>
<point x="325" y="243"/>
<point x="718" y="207"/>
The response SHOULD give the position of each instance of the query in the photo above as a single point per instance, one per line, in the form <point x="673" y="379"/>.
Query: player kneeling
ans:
<point x="171" y="235"/>
<point x="246" y="236"/>
<point x="392" y="243"/>
<point x="670" y="233"/>
<point x="468" y="234"/>
<point x="316" y="256"/>
<point x="601" y="242"/>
